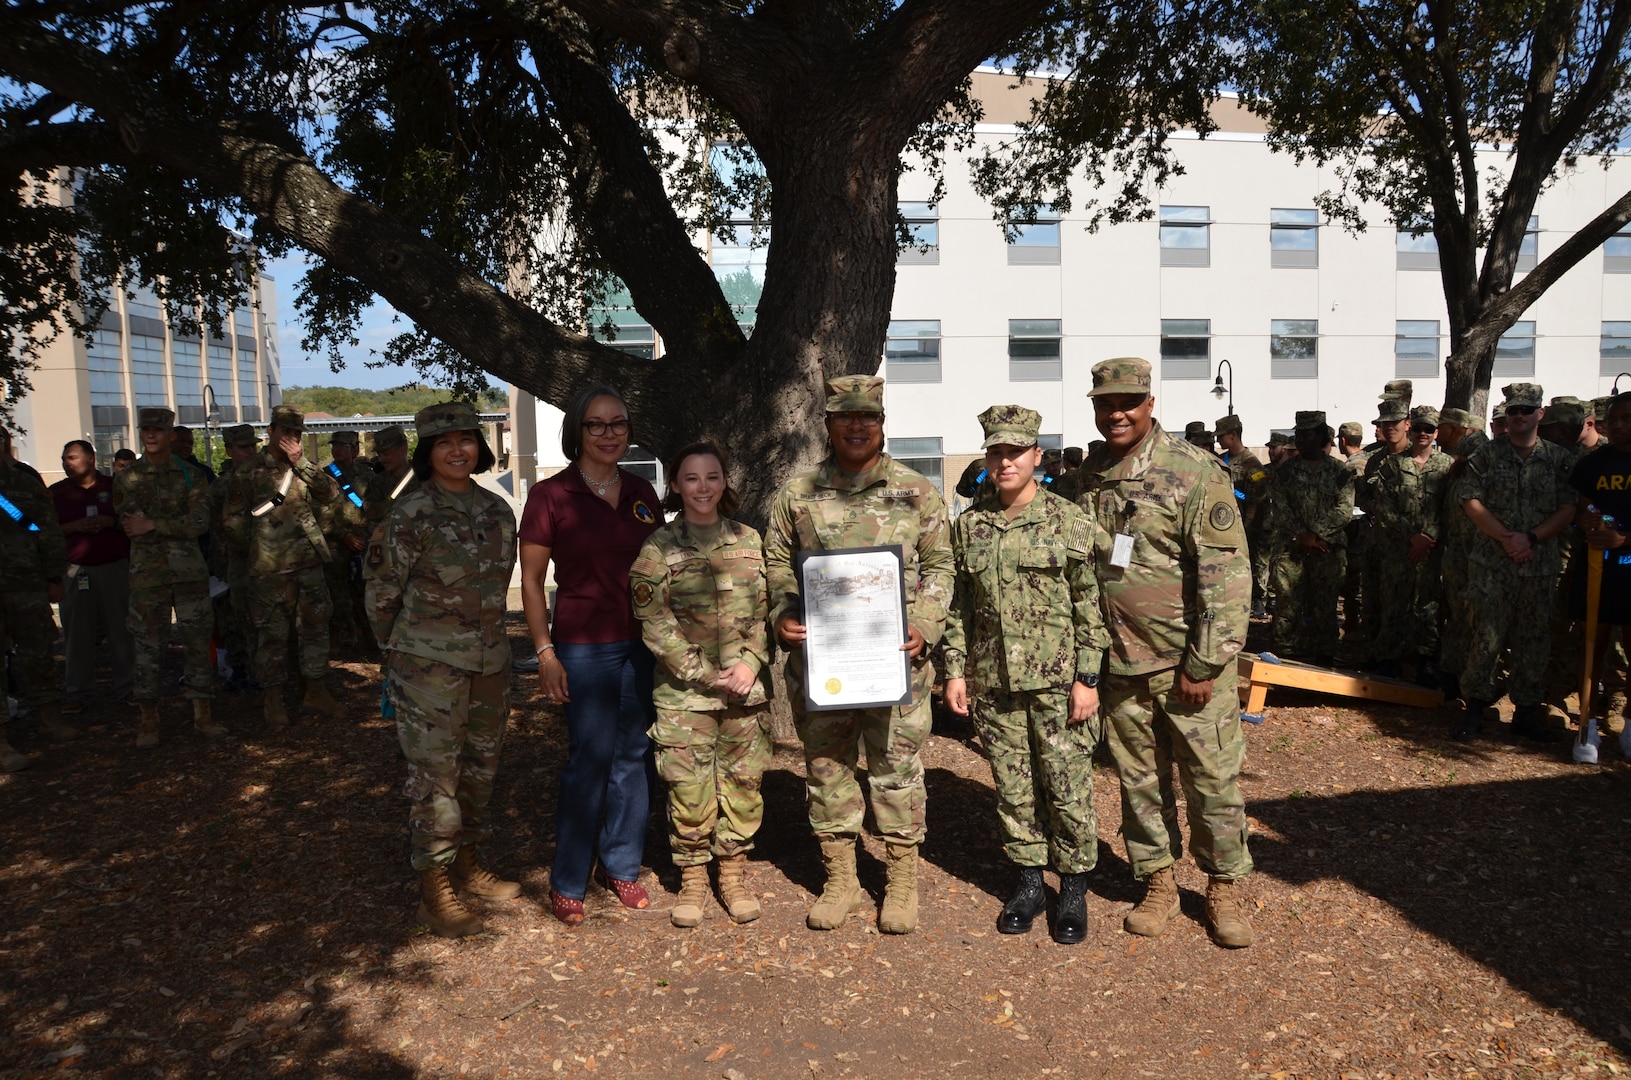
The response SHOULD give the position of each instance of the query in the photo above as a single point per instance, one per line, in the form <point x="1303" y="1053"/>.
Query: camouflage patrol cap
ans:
<point x="1568" y="413"/>
<point x="1599" y="408"/>
<point x="855" y="393"/>
<point x="239" y="435"/>
<point x="1400" y="389"/>
<point x="1524" y="393"/>
<point x="154" y="416"/>
<point x="389" y="438"/>
<point x="1311" y="420"/>
<point x="349" y="437"/>
<point x="1498" y="411"/>
<point x="1351" y="431"/>
<point x="1121" y="375"/>
<point x="1456" y="418"/>
<point x="443" y="417"/>
<point x="1392" y="409"/>
<point x="287" y="416"/>
<point x="1010" y="425"/>
<point x="1052" y="456"/>
<point x="1278" y="438"/>
<point x="1227" y="425"/>
<point x="1073" y="456"/>
<point x="1424" y="415"/>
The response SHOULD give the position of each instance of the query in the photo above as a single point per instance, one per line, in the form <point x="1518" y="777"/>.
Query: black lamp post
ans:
<point x="1220" y="391"/>
<point x="1614" y="387"/>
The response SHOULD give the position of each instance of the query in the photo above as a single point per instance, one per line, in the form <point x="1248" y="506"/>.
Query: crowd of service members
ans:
<point x="1107" y="603"/>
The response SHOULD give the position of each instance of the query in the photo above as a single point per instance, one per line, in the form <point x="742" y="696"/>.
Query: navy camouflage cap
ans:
<point x="1523" y="393"/>
<point x="1228" y="425"/>
<point x="1053" y="456"/>
<point x="389" y="438"/>
<point x="1392" y="409"/>
<point x="1121" y="375"/>
<point x="1398" y="389"/>
<point x="155" y="416"/>
<point x="1567" y="413"/>
<point x="239" y="435"/>
<point x="350" y="437"/>
<point x="287" y="416"/>
<point x="1455" y="418"/>
<point x="445" y="416"/>
<point x="1279" y="438"/>
<point x="855" y="393"/>
<point x="1424" y="415"/>
<point x="1599" y="408"/>
<point x="1498" y="411"/>
<point x="1351" y="430"/>
<point x="1010" y="425"/>
<point x="1195" y="429"/>
<point x="1311" y="420"/>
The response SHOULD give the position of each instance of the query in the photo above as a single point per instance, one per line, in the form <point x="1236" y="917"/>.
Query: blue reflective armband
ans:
<point x="15" y="513"/>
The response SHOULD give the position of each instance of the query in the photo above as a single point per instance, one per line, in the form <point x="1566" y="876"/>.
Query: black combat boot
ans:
<point x="1472" y="722"/>
<point x="1030" y="899"/>
<point x="1450" y="682"/>
<point x="1529" y="722"/>
<point x="1427" y="674"/>
<point x="1070" y="924"/>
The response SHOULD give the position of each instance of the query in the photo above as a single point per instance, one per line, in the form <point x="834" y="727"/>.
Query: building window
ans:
<point x="243" y="330"/>
<point x="1294" y="349"/>
<point x="1033" y="350"/>
<point x="1615" y="350"/>
<point x="1515" y="352"/>
<point x="923" y="229"/>
<point x="219" y="353"/>
<point x="104" y="362"/>
<point x="1186" y="236"/>
<point x="911" y="352"/>
<point x="1529" y="248"/>
<point x="642" y="463"/>
<point x="738" y="248"/>
<point x="1415" y="252"/>
<point x="187" y="362"/>
<point x="1617" y="252"/>
<point x="1415" y="349"/>
<point x="1294" y="238"/>
<point x="1035" y="242"/>
<point x="617" y="324"/>
<point x="1186" y="348"/>
<point x="923" y="456"/>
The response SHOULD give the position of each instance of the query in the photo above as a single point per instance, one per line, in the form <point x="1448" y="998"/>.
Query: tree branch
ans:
<point x="47" y="146"/>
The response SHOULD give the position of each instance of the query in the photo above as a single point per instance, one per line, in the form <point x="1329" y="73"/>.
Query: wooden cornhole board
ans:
<point x="1257" y="675"/>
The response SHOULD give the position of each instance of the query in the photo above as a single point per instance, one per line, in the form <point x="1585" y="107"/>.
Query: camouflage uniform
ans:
<point x="438" y="575"/>
<point x="229" y="500"/>
<point x="1266" y="553"/>
<point x="167" y="570"/>
<point x="1314" y="496"/>
<point x="1183" y="602"/>
<point x="699" y="593"/>
<point x="381" y="489"/>
<point x="286" y="555"/>
<point x="1511" y="601"/>
<point x="1457" y="534"/>
<point x="1358" y="530"/>
<point x="1401" y="497"/>
<point x="29" y="563"/>
<point x="341" y="519"/>
<point x="821" y="510"/>
<point x="1025" y="620"/>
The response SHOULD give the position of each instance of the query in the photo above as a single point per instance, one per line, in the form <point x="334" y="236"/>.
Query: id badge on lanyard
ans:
<point x="1121" y="550"/>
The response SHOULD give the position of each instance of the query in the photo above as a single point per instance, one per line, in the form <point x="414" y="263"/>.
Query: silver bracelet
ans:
<point x="542" y="649"/>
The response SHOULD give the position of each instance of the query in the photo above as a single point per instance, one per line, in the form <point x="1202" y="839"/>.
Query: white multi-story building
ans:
<point x="1237" y="266"/>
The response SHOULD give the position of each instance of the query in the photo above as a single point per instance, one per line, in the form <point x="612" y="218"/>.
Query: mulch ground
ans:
<point x="246" y="909"/>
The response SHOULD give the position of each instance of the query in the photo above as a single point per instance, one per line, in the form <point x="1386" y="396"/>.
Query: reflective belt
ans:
<point x="15" y="513"/>
<point x="277" y="497"/>
<point x="400" y="484"/>
<point x="345" y="485"/>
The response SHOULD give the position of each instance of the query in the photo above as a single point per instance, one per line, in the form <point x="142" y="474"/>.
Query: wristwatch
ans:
<point x="1534" y="541"/>
<point x="1090" y="680"/>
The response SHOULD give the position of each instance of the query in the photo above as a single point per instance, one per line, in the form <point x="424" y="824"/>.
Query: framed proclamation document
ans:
<point x="855" y="614"/>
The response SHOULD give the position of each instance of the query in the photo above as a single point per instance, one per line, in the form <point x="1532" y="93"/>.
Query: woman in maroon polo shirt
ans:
<point x="591" y="519"/>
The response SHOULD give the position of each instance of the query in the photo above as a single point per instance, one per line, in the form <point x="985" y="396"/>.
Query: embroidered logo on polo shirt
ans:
<point x="643" y="513"/>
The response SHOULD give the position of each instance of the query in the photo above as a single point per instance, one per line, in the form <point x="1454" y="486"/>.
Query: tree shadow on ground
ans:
<point x="1482" y="867"/>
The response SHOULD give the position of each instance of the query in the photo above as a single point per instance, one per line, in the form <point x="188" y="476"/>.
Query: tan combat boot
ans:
<point x="202" y="723"/>
<point x="317" y="697"/>
<point x="147" y="732"/>
<point x="52" y="725"/>
<point x="1159" y="905"/>
<point x="738" y="901"/>
<point x="10" y="759"/>
<point x="1226" y="920"/>
<point x="277" y="717"/>
<point x="468" y="875"/>
<point x="440" y="907"/>
<point x="693" y="896"/>
<point x="899" y="914"/>
<point x="842" y="896"/>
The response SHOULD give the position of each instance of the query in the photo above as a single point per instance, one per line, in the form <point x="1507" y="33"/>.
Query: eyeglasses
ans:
<point x="1521" y="410"/>
<point x="597" y="428"/>
<point x="859" y="419"/>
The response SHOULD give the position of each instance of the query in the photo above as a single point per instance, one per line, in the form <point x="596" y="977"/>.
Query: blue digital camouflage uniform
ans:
<point x="1182" y="602"/>
<point x="1024" y="621"/>
<point x="699" y="592"/>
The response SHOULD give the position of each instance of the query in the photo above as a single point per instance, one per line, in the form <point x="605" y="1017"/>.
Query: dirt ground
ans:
<point x="1423" y="909"/>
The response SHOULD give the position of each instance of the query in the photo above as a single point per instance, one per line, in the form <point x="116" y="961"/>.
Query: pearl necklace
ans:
<point x="600" y="488"/>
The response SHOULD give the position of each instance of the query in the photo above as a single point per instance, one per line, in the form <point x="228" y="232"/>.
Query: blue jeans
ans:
<point x="604" y="802"/>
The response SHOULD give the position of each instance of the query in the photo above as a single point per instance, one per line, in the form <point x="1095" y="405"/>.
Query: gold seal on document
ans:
<point x="833" y="686"/>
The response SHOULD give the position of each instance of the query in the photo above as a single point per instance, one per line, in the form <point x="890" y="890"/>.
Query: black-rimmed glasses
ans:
<point x="597" y="428"/>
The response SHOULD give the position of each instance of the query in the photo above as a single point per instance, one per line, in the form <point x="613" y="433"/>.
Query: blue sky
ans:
<point x="303" y="369"/>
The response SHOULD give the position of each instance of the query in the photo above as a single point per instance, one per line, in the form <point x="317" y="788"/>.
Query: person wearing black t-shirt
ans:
<point x="1603" y="479"/>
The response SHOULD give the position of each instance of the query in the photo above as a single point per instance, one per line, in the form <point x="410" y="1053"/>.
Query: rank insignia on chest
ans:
<point x="1222" y="516"/>
<point x="643" y="513"/>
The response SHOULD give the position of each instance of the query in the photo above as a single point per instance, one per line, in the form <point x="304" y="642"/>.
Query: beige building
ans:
<point x="91" y="389"/>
